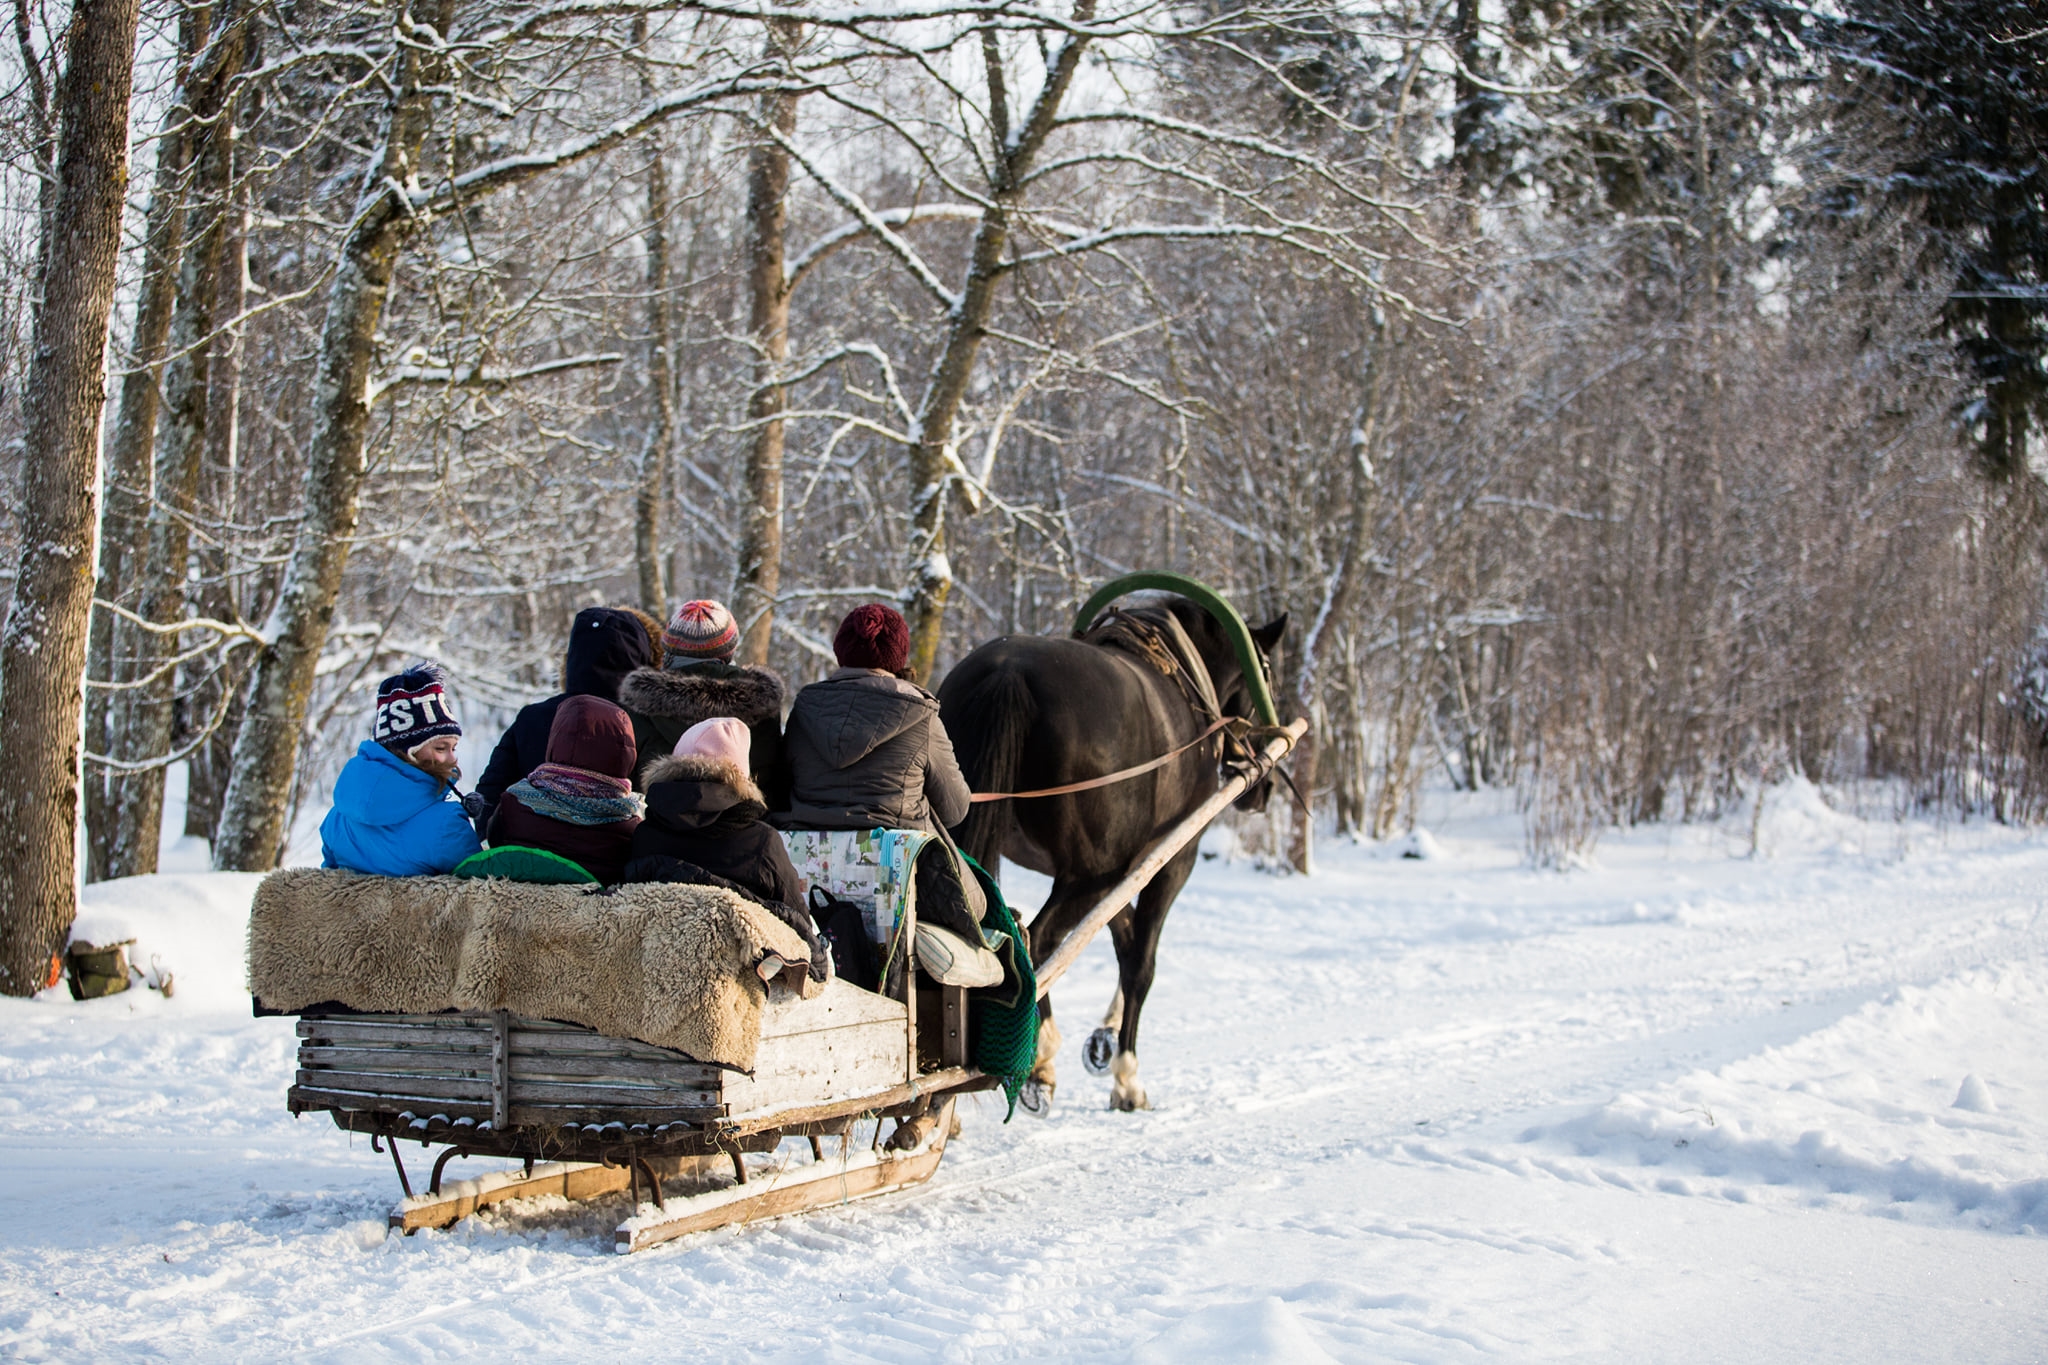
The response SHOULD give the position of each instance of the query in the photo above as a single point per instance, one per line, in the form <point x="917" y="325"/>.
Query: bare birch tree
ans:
<point x="394" y="204"/>
<point x="768" y="289"/>
<point x="42" y="651"/>
<point x="124" y="512"/>
<point x="142" y="720"/>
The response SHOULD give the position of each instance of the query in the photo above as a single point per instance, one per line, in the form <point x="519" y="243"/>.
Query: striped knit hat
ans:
<point x="412" y="708"/>
<point x="701" y="630"/>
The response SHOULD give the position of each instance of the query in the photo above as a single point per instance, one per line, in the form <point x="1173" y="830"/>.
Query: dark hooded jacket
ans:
<point x="605" y="644"/>
<point x="867" y="749"/>
<point x="664" y="702"/>
<point x="596" y="736"/>
<point x="709" y="814"/>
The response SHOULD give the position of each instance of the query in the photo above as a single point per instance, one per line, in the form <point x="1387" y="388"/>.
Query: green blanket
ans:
<point x="1004" y="1019"/>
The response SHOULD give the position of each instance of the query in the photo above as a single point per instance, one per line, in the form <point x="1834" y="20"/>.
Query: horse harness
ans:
<point x="1167" y="648"/>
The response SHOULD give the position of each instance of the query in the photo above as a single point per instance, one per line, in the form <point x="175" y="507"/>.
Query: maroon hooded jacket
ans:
<point x="592" y="734"/>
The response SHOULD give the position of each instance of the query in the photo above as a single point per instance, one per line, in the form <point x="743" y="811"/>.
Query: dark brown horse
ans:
<point x="1031" y="712"/>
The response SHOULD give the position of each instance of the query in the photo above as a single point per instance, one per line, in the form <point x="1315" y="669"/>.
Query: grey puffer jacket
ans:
<point x="867" y="749"/>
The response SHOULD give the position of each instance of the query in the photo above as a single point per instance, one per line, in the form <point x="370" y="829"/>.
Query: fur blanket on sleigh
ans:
<point x="673" y="965"/>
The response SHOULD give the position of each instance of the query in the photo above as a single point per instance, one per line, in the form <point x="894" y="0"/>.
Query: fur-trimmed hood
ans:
<point x="697" y="792"/>
<point x="743" y="691"/>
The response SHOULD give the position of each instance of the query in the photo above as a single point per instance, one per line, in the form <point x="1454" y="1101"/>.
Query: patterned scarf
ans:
<point x="578" y="796"/>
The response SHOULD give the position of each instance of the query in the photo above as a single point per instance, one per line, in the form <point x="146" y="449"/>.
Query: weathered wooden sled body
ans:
<point x="589" y="1114"/>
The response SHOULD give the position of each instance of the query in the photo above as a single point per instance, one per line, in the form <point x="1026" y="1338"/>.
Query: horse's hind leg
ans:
<point x="1136" y="934"/>
<point x="1044" y="1077"/>
<point x="1064" y="908"/>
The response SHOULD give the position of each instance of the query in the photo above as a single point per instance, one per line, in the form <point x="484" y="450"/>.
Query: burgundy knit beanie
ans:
<point x="873" y="636"/>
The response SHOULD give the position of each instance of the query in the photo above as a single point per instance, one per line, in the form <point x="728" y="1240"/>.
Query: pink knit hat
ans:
<point x="721" y="738"/>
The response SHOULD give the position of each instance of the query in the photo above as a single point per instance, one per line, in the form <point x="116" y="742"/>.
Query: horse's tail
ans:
<point x="995" y="719"/>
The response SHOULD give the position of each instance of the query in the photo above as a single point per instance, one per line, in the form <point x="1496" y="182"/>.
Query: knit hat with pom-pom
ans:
<point x="873" y="636"/>
<point x="701" y="630"/>
<point x="412" y="708"/>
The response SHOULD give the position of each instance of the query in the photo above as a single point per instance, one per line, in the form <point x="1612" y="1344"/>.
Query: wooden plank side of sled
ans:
<point x="321" y="1093"/>
<point x="428" y="1089"/>
<point x="566" y="1067"/>
<point x="396" y="1061"/>
<point x="831" y="1065"/>
<point x="861" y="1174"/>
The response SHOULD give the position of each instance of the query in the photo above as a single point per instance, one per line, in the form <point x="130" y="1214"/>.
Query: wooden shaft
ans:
<point x="1158" y="854"/>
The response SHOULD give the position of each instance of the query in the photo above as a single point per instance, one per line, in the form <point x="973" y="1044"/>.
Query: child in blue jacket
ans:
<point x="396" y="813"/>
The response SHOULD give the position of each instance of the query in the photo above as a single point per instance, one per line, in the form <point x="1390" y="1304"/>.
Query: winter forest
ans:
<point x="1628" y="401"/>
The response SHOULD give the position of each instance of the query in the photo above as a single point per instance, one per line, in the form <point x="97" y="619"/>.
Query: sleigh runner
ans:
<point x="589" y="1112"/>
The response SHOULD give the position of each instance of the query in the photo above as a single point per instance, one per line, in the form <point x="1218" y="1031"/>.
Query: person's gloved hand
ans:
<point x="473" y="806"/>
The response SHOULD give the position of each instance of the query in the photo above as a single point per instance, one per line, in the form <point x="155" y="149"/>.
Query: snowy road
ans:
<point x="1686" y="1105"/>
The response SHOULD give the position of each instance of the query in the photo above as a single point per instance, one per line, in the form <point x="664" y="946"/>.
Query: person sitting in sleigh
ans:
<point x="396" y="812"/>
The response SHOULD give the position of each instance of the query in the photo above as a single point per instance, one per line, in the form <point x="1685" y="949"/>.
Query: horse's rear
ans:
<point x="1027" y="713"/>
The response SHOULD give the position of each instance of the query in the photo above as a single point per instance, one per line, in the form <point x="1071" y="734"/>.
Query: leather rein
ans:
<point x="1108" y="779"/>
<point x="1151" y="648"/>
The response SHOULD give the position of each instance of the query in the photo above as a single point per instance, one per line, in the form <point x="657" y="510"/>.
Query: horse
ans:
<point x="1028" y="712"/>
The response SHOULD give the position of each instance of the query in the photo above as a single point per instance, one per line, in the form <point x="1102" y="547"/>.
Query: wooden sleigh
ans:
<point x="697" y="1146"/>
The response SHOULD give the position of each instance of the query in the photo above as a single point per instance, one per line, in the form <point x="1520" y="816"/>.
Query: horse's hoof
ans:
<point x="1099" y="1051"/>
<point x="1125" y="1094"/>
<point x="1035" y="1099"/>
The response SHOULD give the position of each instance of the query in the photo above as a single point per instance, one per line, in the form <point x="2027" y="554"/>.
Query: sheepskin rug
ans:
<point x="673" y="965"/>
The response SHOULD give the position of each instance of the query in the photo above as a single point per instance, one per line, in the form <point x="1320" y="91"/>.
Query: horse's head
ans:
<point x="1233" y="694"/>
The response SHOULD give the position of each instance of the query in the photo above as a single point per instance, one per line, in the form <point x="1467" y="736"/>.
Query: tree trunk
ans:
<point x="760" y="568"/>
<point x="930" y="571"/>
<point x="1336" y="605"/>
<point x="124" y="515"/>
<point x="1468" y="109"/>
<point x="142" y="719"/>
<point x="42" y="651"/>
<point x="207" y="768"/>
<point x="657" y="452"/>
<point x="1302" y="822"/>
<point x="41" y="138"/>
<point x="254" y="810"/>
<point x="654" y="457"/>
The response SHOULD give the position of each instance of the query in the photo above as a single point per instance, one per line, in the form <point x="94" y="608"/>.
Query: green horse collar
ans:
<point x="1211" y="601"/>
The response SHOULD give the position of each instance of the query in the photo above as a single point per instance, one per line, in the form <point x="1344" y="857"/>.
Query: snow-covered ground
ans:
<point x="1685" y="1104"/>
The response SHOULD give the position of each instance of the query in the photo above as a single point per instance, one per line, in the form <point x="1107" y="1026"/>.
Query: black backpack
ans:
<point x="841" y="924"/>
